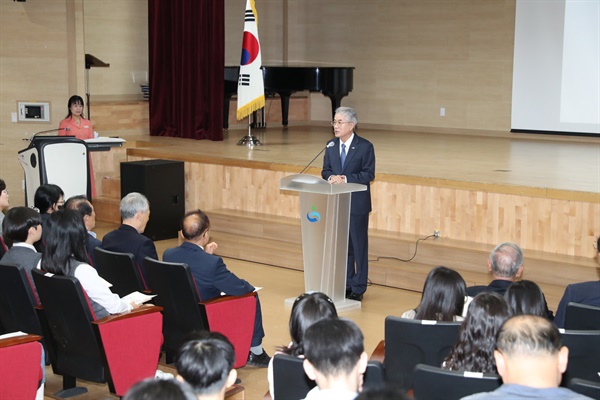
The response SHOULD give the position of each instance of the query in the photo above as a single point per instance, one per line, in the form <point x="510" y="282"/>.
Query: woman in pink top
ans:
<point x="79" y="127"/>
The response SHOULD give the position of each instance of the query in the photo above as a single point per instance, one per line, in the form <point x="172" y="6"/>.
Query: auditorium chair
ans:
<point x="184" y="312"/>
<point x="290" y="382"/>
<point x="120" y="349"/>
<point x="121" y="270"/>
<point x="584" y="355"/>
<point x="20" y="308"/>
<point x="409" y="342"/>
<point x="435" y="383"/>
<point x="582" y="317"/>
<point x="20" y="366"/>
<point x="586" y="388"/>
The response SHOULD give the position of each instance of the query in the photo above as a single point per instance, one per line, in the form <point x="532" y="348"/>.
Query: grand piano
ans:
<point x="333" y="82"/>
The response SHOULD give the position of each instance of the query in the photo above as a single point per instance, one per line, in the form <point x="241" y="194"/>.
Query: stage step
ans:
<point x="277" y="241"/>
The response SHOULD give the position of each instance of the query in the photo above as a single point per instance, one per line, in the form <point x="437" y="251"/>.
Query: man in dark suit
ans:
<point x="351" y="159"/>
<point x="86" y="209"/>
<point x="212" y="276"/>
<point x="128" y="238"/>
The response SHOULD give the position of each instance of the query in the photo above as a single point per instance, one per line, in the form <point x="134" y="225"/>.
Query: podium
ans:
<point x="61" y="160"/>
<point x="325" y="221"/>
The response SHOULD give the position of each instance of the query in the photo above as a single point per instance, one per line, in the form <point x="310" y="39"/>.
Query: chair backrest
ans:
<point x="20" y="370"/>
<point x="291" y="383"/>
<point x="176" y="293"/>
<point x="121" y="270"/>
<point x="410" y="342"/>
<point x="584" y="355"/>
<point x="69" y="316"/>
<point x="584" y="387"/>
<point x="435" y="383"/>
<point x="582" y="317"/>
<point x="17" y="301"/>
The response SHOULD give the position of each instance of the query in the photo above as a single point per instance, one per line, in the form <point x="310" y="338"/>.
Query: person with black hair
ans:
<point x="335" y="358"/>
<point x="307" y="309"/>
<point x="443" y="297"/>
<point x="47" y="199"/>
<point x="474" y="350"/>
<point x="212" y="276"/>
<point x="526" y="297"/>
<point x="4" y="203"/>
<point x="65" y="254"/>
<point x="530" y="360"/>
<point x="160" y="389"/>
<point x="22" y="227"/>
<point x="86" y="209"/>
<point x="582" y="293"/>
<point x="206" y="364"/>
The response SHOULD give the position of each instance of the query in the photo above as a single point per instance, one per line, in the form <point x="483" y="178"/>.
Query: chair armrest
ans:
<point x="379" y="352"/>
<point x="15" y="340"/>
<point x="145" y="309"/>
<point x="227" y="298"/>
<point x="235" y="392"/>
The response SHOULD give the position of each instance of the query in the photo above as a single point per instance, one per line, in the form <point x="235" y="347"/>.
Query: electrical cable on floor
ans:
<point x="401" y="259"/>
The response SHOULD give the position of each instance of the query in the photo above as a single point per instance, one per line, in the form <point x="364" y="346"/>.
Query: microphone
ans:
<point x="52" y="130"/>
<point x="330" y="144"/>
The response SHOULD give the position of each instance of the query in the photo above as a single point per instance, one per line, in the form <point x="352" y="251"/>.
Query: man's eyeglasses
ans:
<point x="334" y="123"/>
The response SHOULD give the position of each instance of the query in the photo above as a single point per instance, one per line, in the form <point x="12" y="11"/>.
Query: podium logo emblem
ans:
<point x="313" y="216"/>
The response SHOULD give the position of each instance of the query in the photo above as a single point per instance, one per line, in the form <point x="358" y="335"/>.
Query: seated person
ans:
<point x="83" y="205"/>
<point x="128" y="238"/>
<point x="48" y="198"/>
<point x="443" y="297"/>
<point x="335" y="359"/>
<point x="65" y="254"/>
<point x="22" y="227"/>
<point x="530" y="360"/>
<point x="474" y="350"/>
<point x="4" y="203"/>
<point x="163" y="389"/>
<point x="307" y="309"/>
<point x="587" y="293"/>
<point x="526" y="297"/>
<point x="212" y="276"/>
<point x="206" y="364"/>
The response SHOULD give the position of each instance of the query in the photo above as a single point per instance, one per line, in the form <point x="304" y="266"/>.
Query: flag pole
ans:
<point x="249" y="140"/>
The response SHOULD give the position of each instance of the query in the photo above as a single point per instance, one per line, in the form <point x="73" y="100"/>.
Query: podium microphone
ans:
<point x="52" y="130"/>
<point x="330" y="144"/>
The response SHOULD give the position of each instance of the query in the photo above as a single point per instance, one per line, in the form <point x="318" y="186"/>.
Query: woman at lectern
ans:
<point x="76" y="125"/>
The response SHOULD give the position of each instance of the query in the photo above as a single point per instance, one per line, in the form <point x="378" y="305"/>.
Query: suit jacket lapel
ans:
<point x="350" y="152"/>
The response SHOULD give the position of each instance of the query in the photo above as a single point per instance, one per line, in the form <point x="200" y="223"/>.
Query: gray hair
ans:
<point x="506" y="259"/>
<point x="528" y="335"/>
<point x="132" y="204"/>
<point x="348" y="113"/>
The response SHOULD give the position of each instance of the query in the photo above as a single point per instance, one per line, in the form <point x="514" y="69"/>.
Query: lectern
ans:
<point x="325" y="220"/>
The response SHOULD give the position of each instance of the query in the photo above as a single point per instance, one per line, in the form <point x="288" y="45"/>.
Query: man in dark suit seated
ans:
<point x="587" y="293"/>
<point x="212" y="276"/>
<point x="86" y="209"/>
<point x="128" y="238"/>
<point x="506" y="265"/>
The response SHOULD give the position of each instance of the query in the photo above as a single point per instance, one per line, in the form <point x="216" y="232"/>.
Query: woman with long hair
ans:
<point x="65" y="254"/>
<point x="443" y="297"/>
<point x="474" y="350"/>
<point x="526" y="297"/>
<point x="307" y="309"/>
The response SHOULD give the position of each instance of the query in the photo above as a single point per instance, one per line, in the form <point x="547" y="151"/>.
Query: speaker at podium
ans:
<point x="61" y="160"/>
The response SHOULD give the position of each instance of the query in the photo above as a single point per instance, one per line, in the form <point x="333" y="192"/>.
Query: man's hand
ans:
<point x="210" y="247"/>
<point x="335" y="179"/>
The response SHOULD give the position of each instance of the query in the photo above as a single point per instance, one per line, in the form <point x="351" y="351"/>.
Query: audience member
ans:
<point x="48" y="198"/>
<point x="4" y="203"/>
<point x="22" y="228"/>
<point x="506" y="266"/>
<point x="86" y="209"/>
<point x="582" y="293"/>
<point x="474" y="350"/>
<point x="530" y="361"/>
<point x="526" y="297"/>
<point x="65" y="254"/>
<point x="128" y="238"/>
<point x="443" y="297"/>
<point x="335" y="359"/>
<point x="206" y="364"/>
<point x="307" y="309"/>
<point x="212" y="276"/>
<point x="160" y="389"/>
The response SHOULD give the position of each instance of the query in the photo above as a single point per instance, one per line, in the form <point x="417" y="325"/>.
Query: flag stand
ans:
<point x="249" y="140"/>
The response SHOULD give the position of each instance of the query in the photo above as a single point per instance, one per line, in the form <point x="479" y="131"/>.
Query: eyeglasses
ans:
<point x="334" y="123"/>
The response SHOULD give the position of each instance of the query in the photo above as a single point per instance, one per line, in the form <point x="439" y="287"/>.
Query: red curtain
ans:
<point x="187" y="59"/>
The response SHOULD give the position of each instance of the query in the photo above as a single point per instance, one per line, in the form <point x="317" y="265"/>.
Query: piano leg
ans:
<point x="336" y="101"/>
<point x="285" y="107"/>
<point x="226" y="101"/>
